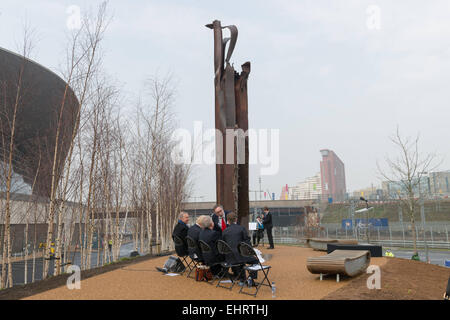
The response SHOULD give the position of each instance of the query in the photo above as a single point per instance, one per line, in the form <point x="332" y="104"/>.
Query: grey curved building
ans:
<point x="39" y="96"/>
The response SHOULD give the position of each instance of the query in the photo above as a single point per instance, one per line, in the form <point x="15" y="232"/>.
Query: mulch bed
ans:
<point x="23" y="291"/>
<point x="401" y="279"/>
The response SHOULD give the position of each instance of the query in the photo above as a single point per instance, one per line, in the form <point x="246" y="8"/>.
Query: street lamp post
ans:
<point x="352" y="216"/>
<point x="366" y="210"/>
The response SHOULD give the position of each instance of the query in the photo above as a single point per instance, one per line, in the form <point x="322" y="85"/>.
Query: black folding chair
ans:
<point x="192" y="246"/>
<point x="225" y="249"/>
<point x="247" y="250"/>
<point x="180" y="244"/>
<point x="206" y="250"/>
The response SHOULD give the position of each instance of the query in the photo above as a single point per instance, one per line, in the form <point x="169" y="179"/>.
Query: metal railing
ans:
<point x="432" y="237"/>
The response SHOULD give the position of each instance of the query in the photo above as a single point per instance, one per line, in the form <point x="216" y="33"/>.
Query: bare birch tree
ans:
<point x="8" y="148"/>
<point x="407" y="170"/>
<point x="83" y="63"/>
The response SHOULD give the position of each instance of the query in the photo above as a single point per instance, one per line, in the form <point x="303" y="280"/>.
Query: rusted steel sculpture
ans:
<point x="231" y="115"/>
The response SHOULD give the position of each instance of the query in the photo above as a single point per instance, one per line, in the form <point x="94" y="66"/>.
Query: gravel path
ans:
<point x="142" y="281"/>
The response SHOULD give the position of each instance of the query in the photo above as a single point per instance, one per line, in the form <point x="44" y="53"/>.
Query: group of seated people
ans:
<point x="210" y="229"/>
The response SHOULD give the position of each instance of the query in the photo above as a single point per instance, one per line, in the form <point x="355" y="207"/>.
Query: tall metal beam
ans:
<point x="231" y="121"/>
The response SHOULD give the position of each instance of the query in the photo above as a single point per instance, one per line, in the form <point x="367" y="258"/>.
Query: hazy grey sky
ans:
<point x="319" y="74"/>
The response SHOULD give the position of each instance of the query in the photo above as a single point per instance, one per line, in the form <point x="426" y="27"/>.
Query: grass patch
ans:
<point x="127" y="258"/>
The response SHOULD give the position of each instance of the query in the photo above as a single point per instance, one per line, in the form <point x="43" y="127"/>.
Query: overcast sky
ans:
<point x="322" y="72"/>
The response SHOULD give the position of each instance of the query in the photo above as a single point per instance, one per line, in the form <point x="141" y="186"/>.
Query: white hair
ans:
<point x="182" y="213"/>
<point x="206" y="222"/>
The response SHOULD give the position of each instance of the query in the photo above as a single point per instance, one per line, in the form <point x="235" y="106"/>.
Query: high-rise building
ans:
<point x="439" y="182"/>
<point x="430" y="184"/>
<point x="310" y="188"/>
<point x="370" y="193"/>
<point x="332" y="172"/>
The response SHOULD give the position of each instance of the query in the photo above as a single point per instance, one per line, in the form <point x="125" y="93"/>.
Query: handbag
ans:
<point x="203" y="273"/>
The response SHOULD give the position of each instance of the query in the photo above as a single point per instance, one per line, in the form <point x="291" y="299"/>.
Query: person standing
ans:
<point x="267" y="222"/>
<point x="219" y="218"/>
<point x="260" y="229"/>
<point x="258" y="234"/>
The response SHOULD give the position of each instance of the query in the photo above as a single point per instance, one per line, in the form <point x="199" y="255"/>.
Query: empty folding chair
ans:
<point x="247" y="250"/>
<point x="225" y="249"/>
<point x="182" y="253"/>
<point x="193" y="250"/>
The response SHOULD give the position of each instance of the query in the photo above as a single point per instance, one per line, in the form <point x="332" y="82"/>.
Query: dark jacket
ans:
<point x="215" y="219"/>
<point x="267" y="221"/>
<point x="211" y="237"/>
<point x="181" y="230"/>
<point x="233" y="235"/>
<point x="194" y="233"/>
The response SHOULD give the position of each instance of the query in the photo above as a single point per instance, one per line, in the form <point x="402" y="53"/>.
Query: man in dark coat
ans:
<point x="267" y="222"/>
<point x="194" y="233"/>
<point x="181" y="230"/>
<point x="219" y="218"/>
<point x="233" y="235"/>
<point x="210" y="237"/>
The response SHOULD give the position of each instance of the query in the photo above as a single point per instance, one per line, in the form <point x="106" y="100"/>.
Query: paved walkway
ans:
<point x="142" y="281"/>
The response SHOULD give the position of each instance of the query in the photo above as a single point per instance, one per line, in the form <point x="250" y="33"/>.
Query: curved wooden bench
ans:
<point x="346" y="262"/>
